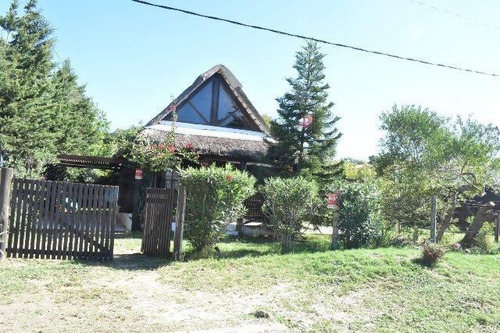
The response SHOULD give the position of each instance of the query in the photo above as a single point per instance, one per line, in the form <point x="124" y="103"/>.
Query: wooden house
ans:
<point x="216" y="119"/>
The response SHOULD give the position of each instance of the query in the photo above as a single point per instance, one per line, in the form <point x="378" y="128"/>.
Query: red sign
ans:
<point x="138" y="173"/>
<point x="333" y="200"/>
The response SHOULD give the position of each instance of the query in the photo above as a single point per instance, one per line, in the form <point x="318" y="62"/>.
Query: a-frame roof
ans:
<point x="235" y="88"/>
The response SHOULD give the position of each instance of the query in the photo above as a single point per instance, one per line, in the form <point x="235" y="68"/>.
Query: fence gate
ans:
<point x="159" y="207"/>
<point x="61" y="220"/>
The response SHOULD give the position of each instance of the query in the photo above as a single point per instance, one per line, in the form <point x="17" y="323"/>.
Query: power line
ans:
<point x="360" y="49"/>
<point x="460" y="16"/>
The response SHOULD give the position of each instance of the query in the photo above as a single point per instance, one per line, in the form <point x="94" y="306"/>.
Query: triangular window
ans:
<point x="213" y="104"/>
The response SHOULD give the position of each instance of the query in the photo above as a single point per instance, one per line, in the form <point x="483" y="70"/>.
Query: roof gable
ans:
<point x="215" y="98"/>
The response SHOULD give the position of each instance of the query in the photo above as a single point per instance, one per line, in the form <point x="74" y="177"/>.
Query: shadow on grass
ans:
<point x="130" y="262"/>
<point x="231" y="248"/>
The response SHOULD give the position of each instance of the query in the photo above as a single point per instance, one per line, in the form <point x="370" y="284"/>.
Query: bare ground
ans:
<point x="123" y="297"/>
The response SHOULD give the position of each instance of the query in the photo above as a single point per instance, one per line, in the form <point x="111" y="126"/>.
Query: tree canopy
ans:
<point x="44" y="111"/>
<point x="423" y="154"/>
<point x="305" y="129"/>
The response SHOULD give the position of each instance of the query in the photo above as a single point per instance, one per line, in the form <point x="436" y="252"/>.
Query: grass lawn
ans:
<point x="313" y="289"/>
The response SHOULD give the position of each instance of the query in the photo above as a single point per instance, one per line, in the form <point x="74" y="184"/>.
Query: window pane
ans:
<point x="235" y="121"/>
<point x="226" y="106"/>
<point x="187" y="114"/>
<point x="202" y="101"/>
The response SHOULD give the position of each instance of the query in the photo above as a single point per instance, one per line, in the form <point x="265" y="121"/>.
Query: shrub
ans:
<point x="287" y="203"/>
<point x="359" y="223"/>
<point x="483" y="242"/>
<point x="431" y="253"/>
<point x="214" y="197"/>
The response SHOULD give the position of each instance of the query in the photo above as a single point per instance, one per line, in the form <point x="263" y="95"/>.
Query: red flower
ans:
<point x="171" y="148"/>
<point x="161" y="146"/>
<point x="172" y="108"/>
<point x="189" y="146"/>
<point x="229" y="178"/>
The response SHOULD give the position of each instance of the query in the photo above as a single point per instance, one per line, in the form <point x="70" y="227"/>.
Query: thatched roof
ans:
<point x="248" y="144"/>
<point x="251" y="149"/>
<point x="235" y="87"/>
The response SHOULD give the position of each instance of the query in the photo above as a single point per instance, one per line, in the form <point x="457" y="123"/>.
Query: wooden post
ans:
<point x="335" y="232"/>
<point x="497" y="228"/>
<point x="179" y="222"/>
<point x="6" y="175"/>
<point x="433" y="219"/>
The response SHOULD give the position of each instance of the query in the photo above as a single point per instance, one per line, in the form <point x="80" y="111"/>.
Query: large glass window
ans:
<point x="219" y="109"/>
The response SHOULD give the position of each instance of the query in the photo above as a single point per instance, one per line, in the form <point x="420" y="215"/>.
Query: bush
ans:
<point x="431" y="253"/>
<point x="359" y="224"/>
<point x="214" y="197"/>
<point x="483" y="242"/>
<point x="287" y="203"/>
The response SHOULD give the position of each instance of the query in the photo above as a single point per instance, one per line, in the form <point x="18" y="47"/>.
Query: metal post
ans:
<point x="179" y="222"/>
<point x="433" y="219"/>
<point x="6" y="175"/>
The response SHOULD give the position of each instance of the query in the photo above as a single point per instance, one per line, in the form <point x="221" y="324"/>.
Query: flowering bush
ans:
<point x="214" y="197"/>
<point x="159" y="155"/>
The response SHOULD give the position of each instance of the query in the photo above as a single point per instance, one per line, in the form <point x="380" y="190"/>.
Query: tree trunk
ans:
<point x="483" y="214"/>
<point x="448" y="218"/>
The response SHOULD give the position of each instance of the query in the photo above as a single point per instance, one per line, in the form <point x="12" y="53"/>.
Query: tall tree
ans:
<point x="422" y="156"/>
<point x="305" y="129"/>
<point x="43" y="111"/>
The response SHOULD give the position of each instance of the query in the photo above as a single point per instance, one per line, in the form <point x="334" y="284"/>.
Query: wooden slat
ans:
<point x="114" y="212"/>
<point x="33" y="222"/>
<point x="99" y="220"/>
<point x="45" y="217"/>
<point x="80" y="220"/>
<point x="15" y="218"/>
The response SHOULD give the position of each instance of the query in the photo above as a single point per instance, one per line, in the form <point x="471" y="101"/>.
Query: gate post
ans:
<point x="179" y="222"/>
<point x="6" y="175"/>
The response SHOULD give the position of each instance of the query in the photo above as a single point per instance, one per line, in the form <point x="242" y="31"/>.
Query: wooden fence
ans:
<point x="61" y="220"/>
<point x="159" y="208"/>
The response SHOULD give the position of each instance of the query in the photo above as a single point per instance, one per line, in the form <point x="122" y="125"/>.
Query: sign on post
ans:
<point x="333" y="200"/>
<point x="138" y="174"/>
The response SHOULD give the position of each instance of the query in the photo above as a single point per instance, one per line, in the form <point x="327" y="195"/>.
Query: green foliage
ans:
<point x="159" y="155"/>
<point x="423" y="156"/>
<point x="483" y="242"/>
<point x="431" y="254"/>
<point x="359" y="223"/>
<point x="306" y="148"/>
<point x="214" y="197"/>
<point x="288" y="203"/>
<point x="43" y="110"/>
<point x="358" y="170"/>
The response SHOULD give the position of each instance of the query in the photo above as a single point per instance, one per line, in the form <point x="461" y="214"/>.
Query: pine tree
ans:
<point x="305" y="129"/>
<point x="43" y="111"/>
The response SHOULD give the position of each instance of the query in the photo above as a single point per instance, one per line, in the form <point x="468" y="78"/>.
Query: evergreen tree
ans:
<point x="43" y="111"/>
<point x="305" y="129"/>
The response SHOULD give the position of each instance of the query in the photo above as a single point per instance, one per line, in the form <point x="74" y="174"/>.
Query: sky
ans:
<point x="134" y="58"/>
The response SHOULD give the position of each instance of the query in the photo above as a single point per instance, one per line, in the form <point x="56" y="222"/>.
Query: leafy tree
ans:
<point x="422" y="156"/>
<point x="43" y="111"/>
<point x="305" y="129"/>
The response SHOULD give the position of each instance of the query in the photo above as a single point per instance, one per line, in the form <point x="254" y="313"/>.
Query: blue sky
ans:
<point x="134" y="58"/>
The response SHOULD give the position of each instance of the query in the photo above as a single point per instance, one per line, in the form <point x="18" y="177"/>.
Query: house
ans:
<point x="216" y="118"/>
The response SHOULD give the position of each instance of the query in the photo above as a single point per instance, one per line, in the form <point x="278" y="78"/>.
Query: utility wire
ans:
<point x="360" y="49"/>
<point x="463" y="17"/>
